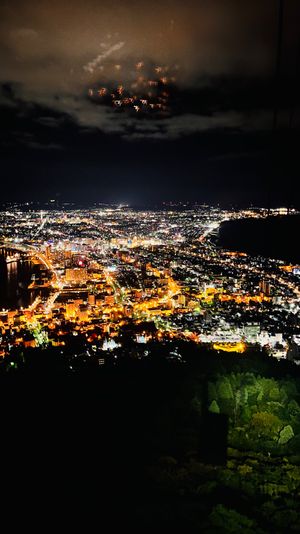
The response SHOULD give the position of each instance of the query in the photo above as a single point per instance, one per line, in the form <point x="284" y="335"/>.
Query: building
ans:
<point x="71" y="310"/>
<point x="92" y="300"/>
<point x="83" y="314"/>
<point x="48" y="251"/>
<point x="76" y="276"/>
<point x="264" y="288"/>
<point x="181" y="300"/>
<point x="109" y="300"/>
<point x="251" y="332"/>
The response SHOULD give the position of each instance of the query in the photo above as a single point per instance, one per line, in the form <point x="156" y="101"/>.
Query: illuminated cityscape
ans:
<point x="111" y="272"/>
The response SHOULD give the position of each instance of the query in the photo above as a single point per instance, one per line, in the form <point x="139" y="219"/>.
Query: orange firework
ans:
<point x="144" y="93"/>
<point x="102" y="91"/>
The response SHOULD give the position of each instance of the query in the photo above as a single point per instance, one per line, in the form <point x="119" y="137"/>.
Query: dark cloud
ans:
<point x="51" y="122"/>
<point x="51" y="52"/>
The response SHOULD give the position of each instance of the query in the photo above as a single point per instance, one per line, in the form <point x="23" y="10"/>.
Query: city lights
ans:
<point x="104" y="270"/>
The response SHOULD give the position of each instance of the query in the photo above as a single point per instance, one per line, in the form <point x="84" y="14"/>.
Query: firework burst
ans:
<point x="149" y="91"/>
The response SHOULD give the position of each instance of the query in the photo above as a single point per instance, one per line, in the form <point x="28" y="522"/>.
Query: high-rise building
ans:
<point x="71" y="310"/>
<point x="48" y="251"/>
<point x="264" y="288"/>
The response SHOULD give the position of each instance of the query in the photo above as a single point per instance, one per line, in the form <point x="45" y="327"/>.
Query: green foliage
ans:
<point x="274" y="393"/>
<point x="293" y="408"/>
<point x="214" y="407"/>
<point x="259" y="409"/>
<point x="245" y="414"/>
<point x="265" y="425"/>
<point x="275" y="408"/>
<point x="285" y="435"/>
<point x="244" y="396"/>
<point x="284" y="398"/>
<point x="290" y="388"/>
<point x="260" y="396"/>
<point x="255" y="392"/>
<point x="225" y="390"/>
<point x="294" y="473"/>
<point x="245" y="469"/>
<point x="228" y="520"/>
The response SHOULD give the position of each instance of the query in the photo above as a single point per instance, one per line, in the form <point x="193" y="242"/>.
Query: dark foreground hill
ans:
<point x="207" y="445"/>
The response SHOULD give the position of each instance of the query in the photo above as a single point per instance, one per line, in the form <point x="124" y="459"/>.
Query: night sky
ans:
<point x="215" y="145"/>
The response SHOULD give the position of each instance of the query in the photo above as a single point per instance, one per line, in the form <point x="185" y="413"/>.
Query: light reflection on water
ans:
<point x="15" y="277"/>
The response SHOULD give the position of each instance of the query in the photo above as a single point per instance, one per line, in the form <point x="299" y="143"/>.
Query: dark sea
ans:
<point x="273" y="237"/>
<point x="14" y="280"/>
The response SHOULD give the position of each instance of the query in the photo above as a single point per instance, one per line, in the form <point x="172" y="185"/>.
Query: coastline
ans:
<point x="15" y="281"/>
<point x="274" y="237"/>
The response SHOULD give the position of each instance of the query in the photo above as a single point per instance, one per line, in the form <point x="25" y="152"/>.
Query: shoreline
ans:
<point x="16" y="281"/>
<point x="274" y="237"/>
